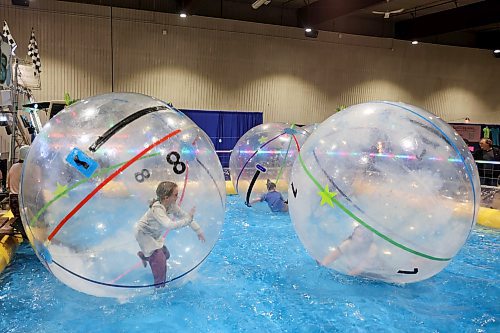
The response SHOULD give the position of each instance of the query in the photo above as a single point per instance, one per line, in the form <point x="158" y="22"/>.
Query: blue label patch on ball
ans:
<point x="260" y="168"/>
<point x="81" y="162"/>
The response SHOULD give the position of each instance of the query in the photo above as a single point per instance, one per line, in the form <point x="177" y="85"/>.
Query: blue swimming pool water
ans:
<point x="259" y="278"/>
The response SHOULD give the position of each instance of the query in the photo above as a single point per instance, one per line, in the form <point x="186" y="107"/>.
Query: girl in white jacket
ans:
<point x="163" y="214"/>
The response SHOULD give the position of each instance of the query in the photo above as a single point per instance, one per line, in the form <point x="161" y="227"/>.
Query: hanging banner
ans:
<point x="26" y="76"/>
<point x="472" y="133"/>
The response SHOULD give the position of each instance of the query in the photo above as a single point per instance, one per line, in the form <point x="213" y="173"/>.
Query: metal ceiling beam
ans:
<point x="325" y="10"/>
<point x="461" y="18"/>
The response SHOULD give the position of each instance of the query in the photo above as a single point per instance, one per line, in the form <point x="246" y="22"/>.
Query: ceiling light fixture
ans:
<point x="496" y="51"/>
<point x="415" y="42"/>
<point x="311" y="33"/>
<point x="258" y="3"/>
<point x="183" y="15"/>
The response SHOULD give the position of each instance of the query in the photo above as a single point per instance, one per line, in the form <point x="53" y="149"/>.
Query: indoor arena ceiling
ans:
<point x="468" y="23"/>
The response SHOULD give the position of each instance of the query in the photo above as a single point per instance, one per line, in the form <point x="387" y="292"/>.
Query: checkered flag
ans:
<point x="33" y="53"/>
<point x="6" y="34"/>
<point x="25" y="91"/>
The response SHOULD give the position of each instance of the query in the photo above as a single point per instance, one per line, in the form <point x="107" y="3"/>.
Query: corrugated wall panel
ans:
<point x="212" y="64"/>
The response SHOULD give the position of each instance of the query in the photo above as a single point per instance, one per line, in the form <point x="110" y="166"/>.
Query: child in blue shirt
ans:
<point x="273" y="198"/>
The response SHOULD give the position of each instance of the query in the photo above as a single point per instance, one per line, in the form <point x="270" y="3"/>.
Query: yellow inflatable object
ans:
<point x="8" y="215"/>
<point x="489" y="217"/>
<point x="230" y="188"/>
<point x="8" y="246"/>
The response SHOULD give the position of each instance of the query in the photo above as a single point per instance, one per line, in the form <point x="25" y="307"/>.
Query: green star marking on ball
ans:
<point x="61" y="191"/>
<point x="262" y="139"/>
<point x="326" y="196"/>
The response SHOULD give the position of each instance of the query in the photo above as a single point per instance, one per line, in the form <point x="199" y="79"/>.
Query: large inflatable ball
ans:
<point x="266" y="152"/>
<point x="309" y="129"/>
<point x="386" y="191"/>
<point x="89" y="179"/>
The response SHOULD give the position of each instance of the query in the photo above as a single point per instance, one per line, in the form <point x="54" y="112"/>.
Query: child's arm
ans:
<point x="160" y="214"/>
<point x="255" y="200"/>
<point x="259" y="199"/>
<point x="195" y="226"/>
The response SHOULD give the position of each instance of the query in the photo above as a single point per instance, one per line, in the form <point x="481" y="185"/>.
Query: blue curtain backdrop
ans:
<point x="224" y="127"/>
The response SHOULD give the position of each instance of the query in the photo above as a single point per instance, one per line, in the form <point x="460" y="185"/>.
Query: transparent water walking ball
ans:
<point x="265" y="152"/>
<point x="89" y="177"/>
<point x="309" y="129"/>
<point x="386" y="191"/>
